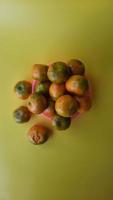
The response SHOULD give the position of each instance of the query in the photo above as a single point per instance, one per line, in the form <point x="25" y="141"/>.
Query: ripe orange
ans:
<point x="77" y="84"/>
<point x="66" y="106"/>
<point x="37" y="103"/>
<point x="77" y="67"/>
<point x="56" y="90"/>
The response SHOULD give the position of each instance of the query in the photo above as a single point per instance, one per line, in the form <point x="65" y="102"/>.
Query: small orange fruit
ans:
<point x="58" y="72"/>
<point x="77" y="67"/>
<point x="61" y="123"/>
<point x="40" y="72"/>
<point x="84" y="103"/>
<point x="22" y="114"/>
<point x="43" y="88"/>
<point x="38" y="134"/>
<point x="77" y="84"/>
<point x="23" y="89"/>
<point x="56" y="90"/>
<point x="66" y="106"/>
<point x="37" y="103"/>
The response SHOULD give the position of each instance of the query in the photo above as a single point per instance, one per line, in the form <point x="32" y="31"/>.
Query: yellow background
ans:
<point x="76" y="164"/>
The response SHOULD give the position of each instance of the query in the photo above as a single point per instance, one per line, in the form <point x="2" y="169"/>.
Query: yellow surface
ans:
<point x="76" y="164"/>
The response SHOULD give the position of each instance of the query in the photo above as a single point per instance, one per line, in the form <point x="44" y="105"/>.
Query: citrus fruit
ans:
<point x="77" y="84"/>
<point x="66" y="106"/>
<point x="38" y="134"/>
<point x="77" y="67"/>
<point x="37" y="103"/>
<point x="58" y="72"/>
<point x="23" y="89"/>
<point x="84" y="103"/>
<point x="61" y="123"/>
<point x="22" y="114"/>
<point x="40" y="72"/>
<point x="43" y="88"/>
<point x="56" y="90"/>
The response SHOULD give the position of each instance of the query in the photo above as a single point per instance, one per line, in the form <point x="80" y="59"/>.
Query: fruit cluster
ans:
<point x="59" y="92"/>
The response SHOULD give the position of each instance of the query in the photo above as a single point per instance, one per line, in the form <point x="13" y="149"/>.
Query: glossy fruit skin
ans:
<point x="58" y="72"/>
<point x="56" y="90"/>
<point x="66" y="106"/>
<point x="77" y="84"/>
<point x="23" y="89"/>
<point x="77" y="67"/>
<point x="38" y="134"/>
<point x="61" y="123"/>
<point x="22" y="114"/>
<point x="37" y="103"/>
<point x="43" y="88"/>
<point x="40" y="72"/>
<point x="85" y="103"/>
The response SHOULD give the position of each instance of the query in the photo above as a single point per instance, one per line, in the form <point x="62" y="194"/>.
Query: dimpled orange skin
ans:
<point x="66" y="106"/>
<point x="40" y="72"/>
<point x="56" y="90"/>
<point x="37" y="103"/>
<point x="77" y="84"/>
<point x="76" y="66"/>
<point x="38" y="134"/>
<point x="84" y="103"/>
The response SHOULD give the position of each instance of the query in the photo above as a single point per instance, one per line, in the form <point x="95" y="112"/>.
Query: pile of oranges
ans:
<point x="58" y="91"/>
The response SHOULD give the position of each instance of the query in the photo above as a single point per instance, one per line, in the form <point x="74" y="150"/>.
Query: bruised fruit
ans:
<point x="58" y="72"/>
<point x="22" y="114"/>
<point x="77" y="84"/>
<point x="61" y="123"/>
<point x="43" y="88"/>
<point x="38" y="134"/>
<point x="66" y="106"/>
<point x="37" y="103"/>
<point x="56" y="90"/>
<point x="23" y="89"/>
<point x="40" y="72"/>
<point x="77" y="67"/>
<point x="84" y="103"/>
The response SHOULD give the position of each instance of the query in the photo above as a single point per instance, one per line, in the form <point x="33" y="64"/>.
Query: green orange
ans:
<point x="38" y="134"/>
<point x="23" y="89"/>
<point x="77" y="84"/>
<point x="58" y="72"/>
<point x="40" y="72"/>
<point x="43" y="88"/>
<point x="66" y="106"/>
<point x="77" y="67"/>
<point x="56" y="90"/>
<point x="61" y="123"/>
<point x="37" y="103"/>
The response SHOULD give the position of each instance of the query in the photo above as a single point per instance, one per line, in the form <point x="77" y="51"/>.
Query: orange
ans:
<point x="58" y="72"/>
<point x="23" y="89"/>
<point x="56" y="90"/>
<point x="37" y="103"/>
<point x="40" y="72"/>
<point x="22" y="114"/>
<point x="61" y="123"/>
<point x="38" y="134"/>
<point x="84" y="103"/>
<point x="66" y="106"/>
<point x="77" y="84"/>
<point x="43" y="88"/>
<point x="77" y="67"/>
